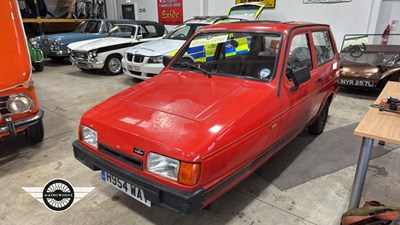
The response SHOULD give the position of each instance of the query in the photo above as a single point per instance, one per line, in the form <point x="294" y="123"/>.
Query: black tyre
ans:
<point x="318" y="126"/>
<point x="35" y="133"/>
<point x="113" y="65"/>
<point x="39" y="66"/>
<point x="83" y="69"/>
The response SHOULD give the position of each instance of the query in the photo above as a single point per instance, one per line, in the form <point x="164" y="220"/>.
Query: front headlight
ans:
<point x="389" y="62"/>
<point x="33" y="41"/>
<point x="156" y="59"/>
<point x="68" y="50"/>
<point x="89" y="136"/>
<point x="19" y="103"/>
<point x="185" y="173"/>
<point x="94" y="53"/>
<point x="56" y="45"/>
<point x="163" y="166"/>
<point x="90" y="54"/>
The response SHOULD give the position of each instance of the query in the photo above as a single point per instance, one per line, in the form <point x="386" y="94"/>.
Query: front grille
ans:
<point x="45" y="45"/>
<point x="3" y="105"/>
<point x="139" y="58"/>
<point x="120" y="156"/>
<point x="129" y="57"/>
<point x="80" y="55"/>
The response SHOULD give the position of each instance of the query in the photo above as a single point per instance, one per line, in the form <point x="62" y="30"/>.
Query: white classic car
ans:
<point x="106" y="53"/>
<point x="145" y="60"/>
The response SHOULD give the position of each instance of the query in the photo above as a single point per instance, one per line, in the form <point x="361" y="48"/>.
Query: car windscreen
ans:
<point x="246" y="11"/>
<point x="123" y="31"/>
<point x="374" y="49"/>
<point x="89" y="27"/>
<point x="183" y="32"/>
<point x="236" y="54"/>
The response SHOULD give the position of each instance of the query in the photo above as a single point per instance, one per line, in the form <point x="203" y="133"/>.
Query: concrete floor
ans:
<point x="65" y="93"/>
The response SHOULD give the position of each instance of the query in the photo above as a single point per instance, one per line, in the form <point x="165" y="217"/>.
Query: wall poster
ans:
<point x="170" y="12"/>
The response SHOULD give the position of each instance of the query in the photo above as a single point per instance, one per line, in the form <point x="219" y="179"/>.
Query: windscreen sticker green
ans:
<point x="209" y="40"/>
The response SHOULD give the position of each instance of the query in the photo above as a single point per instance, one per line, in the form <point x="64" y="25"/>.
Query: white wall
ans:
<point x="191" y="8"/>
<point x="389" y="11"/>
<point x="357" y="16"/>
<point x="348" y="17"/>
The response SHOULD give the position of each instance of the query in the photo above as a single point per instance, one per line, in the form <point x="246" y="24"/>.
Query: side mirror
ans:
<point x="300" y="76"/>
<point x="139" y="36"/>
<point x="166" y="59"/>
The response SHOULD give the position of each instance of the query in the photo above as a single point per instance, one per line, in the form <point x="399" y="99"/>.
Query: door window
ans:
<point x="323" y="47"/>
<point x="299" y="55"/>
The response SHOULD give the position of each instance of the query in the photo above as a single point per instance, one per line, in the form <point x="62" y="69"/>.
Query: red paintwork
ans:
<point x="15" y="68"/>
<point x="223" y="123"/>
<point x="14" y="56"/>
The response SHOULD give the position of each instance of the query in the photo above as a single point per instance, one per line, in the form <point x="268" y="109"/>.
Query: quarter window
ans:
<point x="323" y="46"/>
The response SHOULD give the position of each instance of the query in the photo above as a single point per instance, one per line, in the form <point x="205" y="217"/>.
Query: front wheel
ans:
<point x="39" y="66"/>
<point x="318" y="126"/>
<point x="113" y="65"/>
<point x="35" y="133"/>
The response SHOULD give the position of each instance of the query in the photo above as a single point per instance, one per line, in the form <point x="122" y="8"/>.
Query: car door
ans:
<point x="297" y="104"/>
<point x="325" y="64"/>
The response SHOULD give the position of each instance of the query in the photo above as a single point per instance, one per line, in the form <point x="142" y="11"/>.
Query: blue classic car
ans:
<point x="54" y="46"/>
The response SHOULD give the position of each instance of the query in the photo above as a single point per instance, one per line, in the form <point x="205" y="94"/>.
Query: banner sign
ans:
<point x="324" y="1"/>
<point x="170" y="12"/>
<point x="268" y="3"/>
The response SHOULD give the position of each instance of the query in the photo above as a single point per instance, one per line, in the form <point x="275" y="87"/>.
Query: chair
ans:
<point x="254" y="62"/>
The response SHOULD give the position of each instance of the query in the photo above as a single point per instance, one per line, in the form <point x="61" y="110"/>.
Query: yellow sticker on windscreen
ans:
<point x="209" y="40"/>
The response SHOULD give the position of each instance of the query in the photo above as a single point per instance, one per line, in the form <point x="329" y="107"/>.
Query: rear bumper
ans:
<point x="179" y="201"/>
<point x="11" y="126"/>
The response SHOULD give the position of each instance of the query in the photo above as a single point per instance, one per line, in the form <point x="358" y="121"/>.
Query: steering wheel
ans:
<point x="356" y="50"/>
<point x="181" y="36"/>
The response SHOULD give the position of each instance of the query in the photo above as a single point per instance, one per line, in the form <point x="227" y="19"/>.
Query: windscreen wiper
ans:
<point x="194" y="66"/>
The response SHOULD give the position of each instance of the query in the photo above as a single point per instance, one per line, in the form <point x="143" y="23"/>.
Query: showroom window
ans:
<point x="323" y="47"/>
<point x="299" y="55"/>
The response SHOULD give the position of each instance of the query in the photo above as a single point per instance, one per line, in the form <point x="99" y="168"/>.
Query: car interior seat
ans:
<point x="255" y="60"/>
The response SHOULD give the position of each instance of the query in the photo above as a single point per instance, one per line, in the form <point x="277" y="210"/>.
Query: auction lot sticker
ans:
<point x="58" y="194"/>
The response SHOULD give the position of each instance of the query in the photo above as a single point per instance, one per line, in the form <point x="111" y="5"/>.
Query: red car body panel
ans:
<point x="230" y="126"/>
<point x="13" y="47"/>
<point x="15" y="72"/>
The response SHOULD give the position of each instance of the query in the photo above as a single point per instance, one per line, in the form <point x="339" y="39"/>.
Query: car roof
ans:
<point x="267" y="25"/>
<point x="160" y="28"/>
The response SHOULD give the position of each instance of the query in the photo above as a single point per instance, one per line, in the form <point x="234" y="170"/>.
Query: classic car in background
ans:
<point x="187" y="136"/>
<point x="249" y="11"/>
<point x="36" y="56"/>
<point x="145" y="60"/>
<point x="19" y="106"/>
<point x="54" y="46"/>
<point x="369" y="61"/>
<point x="106" y="53"/>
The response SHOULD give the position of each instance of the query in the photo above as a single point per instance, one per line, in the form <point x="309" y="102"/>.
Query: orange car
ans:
<point x="19" y="106"/>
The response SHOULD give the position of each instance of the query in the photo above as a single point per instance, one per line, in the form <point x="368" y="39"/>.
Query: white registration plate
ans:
<point x="130" y="189"/>
<point x="134" y="68"/>
<point x="363" y="83"/>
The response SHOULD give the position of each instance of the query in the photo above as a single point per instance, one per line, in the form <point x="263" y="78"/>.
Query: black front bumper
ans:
<point x="179" y="201"/>
<point x="11" y="126"/>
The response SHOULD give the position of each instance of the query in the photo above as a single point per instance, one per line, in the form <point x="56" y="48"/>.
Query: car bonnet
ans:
<point x="156" y="48"/>
<point x="14" y="55"/>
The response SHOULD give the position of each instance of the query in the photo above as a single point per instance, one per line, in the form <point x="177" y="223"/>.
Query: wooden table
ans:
<point x="376" y="125"/>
